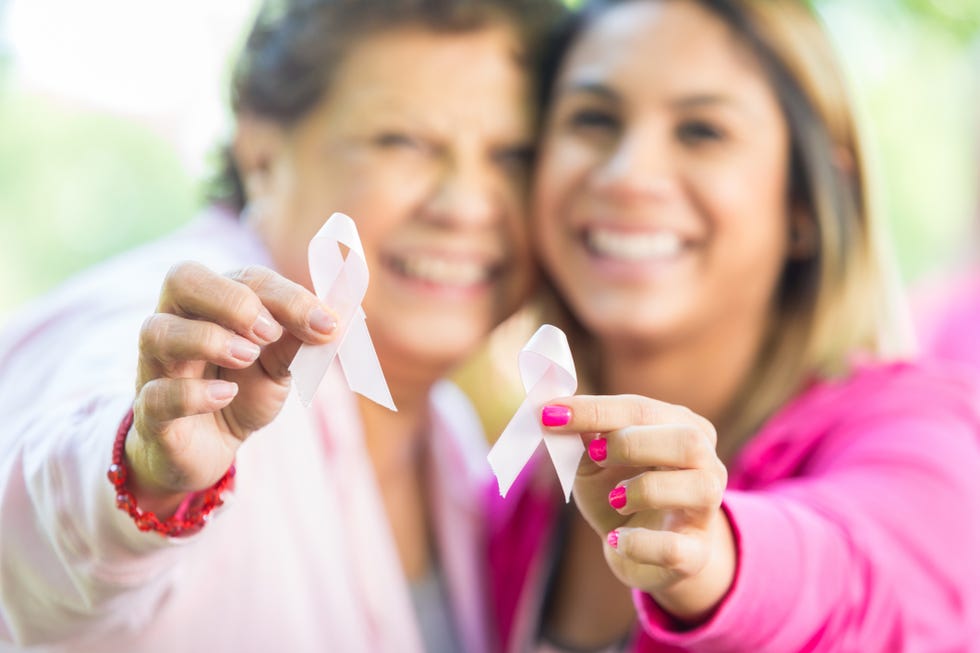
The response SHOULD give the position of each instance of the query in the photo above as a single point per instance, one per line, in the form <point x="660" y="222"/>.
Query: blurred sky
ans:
<point x="161" y="64"/>
<point x="110" y="110"/>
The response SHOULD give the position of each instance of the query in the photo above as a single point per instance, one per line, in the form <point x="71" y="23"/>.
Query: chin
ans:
<point x="417" y="345"/>
<point x="625" y="325"/>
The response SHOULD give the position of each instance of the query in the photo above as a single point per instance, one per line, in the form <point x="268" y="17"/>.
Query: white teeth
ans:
<point x="633" y="246"/>
<point x="444" y="271"/>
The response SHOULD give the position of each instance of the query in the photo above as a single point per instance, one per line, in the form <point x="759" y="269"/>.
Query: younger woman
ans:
<point x="761" y="472"/>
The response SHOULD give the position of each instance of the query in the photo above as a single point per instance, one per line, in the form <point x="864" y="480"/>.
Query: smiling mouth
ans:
<point x="442" y="271"/>
<point x="633" y="246"/>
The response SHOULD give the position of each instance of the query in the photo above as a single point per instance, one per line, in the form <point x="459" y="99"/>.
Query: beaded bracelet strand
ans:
<point x="191" y="521"/>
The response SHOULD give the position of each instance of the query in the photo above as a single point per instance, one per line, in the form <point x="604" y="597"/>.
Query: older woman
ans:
<point x="353" y="528"/>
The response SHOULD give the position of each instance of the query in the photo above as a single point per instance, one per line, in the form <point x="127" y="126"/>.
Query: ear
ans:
<point x="804" y="236"/>
<point x="257" y="144"/>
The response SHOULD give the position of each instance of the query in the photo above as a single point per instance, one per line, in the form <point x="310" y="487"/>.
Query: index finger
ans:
<point x="297" y="309"/>
<point x="194" y="291"/>
<point x="604" y="413"/>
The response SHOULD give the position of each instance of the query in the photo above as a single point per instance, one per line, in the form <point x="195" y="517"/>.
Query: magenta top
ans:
<point x="856" y="512"/>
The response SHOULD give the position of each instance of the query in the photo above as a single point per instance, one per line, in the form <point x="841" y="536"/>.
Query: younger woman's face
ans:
<point x="661" y="192"/>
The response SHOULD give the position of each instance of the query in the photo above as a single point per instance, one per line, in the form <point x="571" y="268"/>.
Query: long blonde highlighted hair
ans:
<point x="844" y="297"/>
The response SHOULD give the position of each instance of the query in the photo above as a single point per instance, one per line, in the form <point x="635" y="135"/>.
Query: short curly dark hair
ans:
<point x="294" y="47"/>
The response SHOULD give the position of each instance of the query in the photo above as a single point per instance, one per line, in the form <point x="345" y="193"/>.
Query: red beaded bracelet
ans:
<point x="182" y="523"/>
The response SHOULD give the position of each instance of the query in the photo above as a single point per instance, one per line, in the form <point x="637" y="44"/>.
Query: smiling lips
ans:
<point x="444" y="271"/>
<point x="613" y="244"/>
<point x="633" y="246"/>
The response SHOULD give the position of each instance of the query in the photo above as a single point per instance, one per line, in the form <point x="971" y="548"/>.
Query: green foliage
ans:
<point x="959" y="18"/>
<point x="76" y="187"/>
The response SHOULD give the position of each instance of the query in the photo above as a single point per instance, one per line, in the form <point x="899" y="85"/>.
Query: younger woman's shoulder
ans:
<point x="887" y="392"/>
<point x="919" y="384"/>
<point x="907" y="411"/>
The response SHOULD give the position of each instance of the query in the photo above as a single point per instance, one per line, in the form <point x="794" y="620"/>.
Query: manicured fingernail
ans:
<point x="597" y="450"/>
<point x="613" y="539"/>
<point x="617" y="498"/>
<point x="244" y="350"/>
<point x="322" y="321"/>
<point x="266" y="328"/>
<point x="222" y="390"/>
<point x="556" y="415"/>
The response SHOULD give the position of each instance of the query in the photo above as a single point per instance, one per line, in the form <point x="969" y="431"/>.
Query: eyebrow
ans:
<point x="602" y="91"/>
<point x="589" y="88"/>
<point x="701" y="100"/>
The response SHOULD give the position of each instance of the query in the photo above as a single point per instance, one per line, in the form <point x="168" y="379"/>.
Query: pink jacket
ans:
<point x="300" y="560"/>
<point x="856" y="511"/>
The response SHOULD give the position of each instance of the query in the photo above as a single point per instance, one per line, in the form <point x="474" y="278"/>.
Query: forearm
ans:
<point x="68" y="552"/>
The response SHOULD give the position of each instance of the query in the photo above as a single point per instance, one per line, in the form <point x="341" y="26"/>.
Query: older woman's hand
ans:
<point x="213" y="368"/>
<point x="652" y="487"/>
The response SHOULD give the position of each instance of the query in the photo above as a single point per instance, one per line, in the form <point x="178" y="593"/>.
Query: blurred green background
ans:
<point x="109" y="111"/>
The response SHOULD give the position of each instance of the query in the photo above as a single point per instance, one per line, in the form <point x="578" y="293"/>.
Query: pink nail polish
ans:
<point x="597" y="450"/>
<point x="613" y="539"/>
<point x="556" y="415"/>
<point x="617" y="498"/>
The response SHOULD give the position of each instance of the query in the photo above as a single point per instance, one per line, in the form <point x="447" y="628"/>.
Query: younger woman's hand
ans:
<point x="651" y="486"/>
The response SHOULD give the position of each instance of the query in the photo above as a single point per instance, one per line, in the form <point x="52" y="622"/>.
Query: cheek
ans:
<point x="555" y="180"/>
<point x="753" y="241"/>
<point x="747" y="197"/>
<point x="544" y="233"/>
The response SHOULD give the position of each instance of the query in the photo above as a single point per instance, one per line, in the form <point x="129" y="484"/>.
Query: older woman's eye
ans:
<point x="393" y="140"/>
<point x="698" y="132"/>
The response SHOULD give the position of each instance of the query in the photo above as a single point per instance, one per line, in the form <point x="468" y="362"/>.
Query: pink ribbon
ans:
<point x="341" y="283"/>
<point x="547" y="371"/>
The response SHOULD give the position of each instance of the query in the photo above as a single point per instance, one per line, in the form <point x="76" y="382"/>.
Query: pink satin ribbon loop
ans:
<point x="341" y="284"/>
<point x="547" y="371"/>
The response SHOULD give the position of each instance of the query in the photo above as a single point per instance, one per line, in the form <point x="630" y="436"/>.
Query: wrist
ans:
<point x="188" y="515"/>
<point x="694" y="599"/>
<point x="152" y="497"/>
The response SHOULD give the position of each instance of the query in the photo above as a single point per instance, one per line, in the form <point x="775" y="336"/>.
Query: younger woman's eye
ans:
<point x="696" y="132"/>
<point x="593" y="119"/>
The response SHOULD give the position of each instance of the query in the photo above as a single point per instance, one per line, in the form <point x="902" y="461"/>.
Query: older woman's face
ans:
<point x="423" y="140"/>
<point x="660" y="201"/>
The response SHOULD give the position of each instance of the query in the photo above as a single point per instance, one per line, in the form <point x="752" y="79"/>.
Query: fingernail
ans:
<point x="613" y="539"/>
<point x="222" y="390"/>
<point x="244" y="350"/>
<point x="322" y="321"/>
<point x="556" y="415"/>
<point x="617" y="498"/>
<point x="597" y="450"/>
<point x="266" y="328"/>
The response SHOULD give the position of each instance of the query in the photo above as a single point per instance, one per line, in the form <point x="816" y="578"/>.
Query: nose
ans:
<point x="464" y="196"/>
<point x="637" y="167"/>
